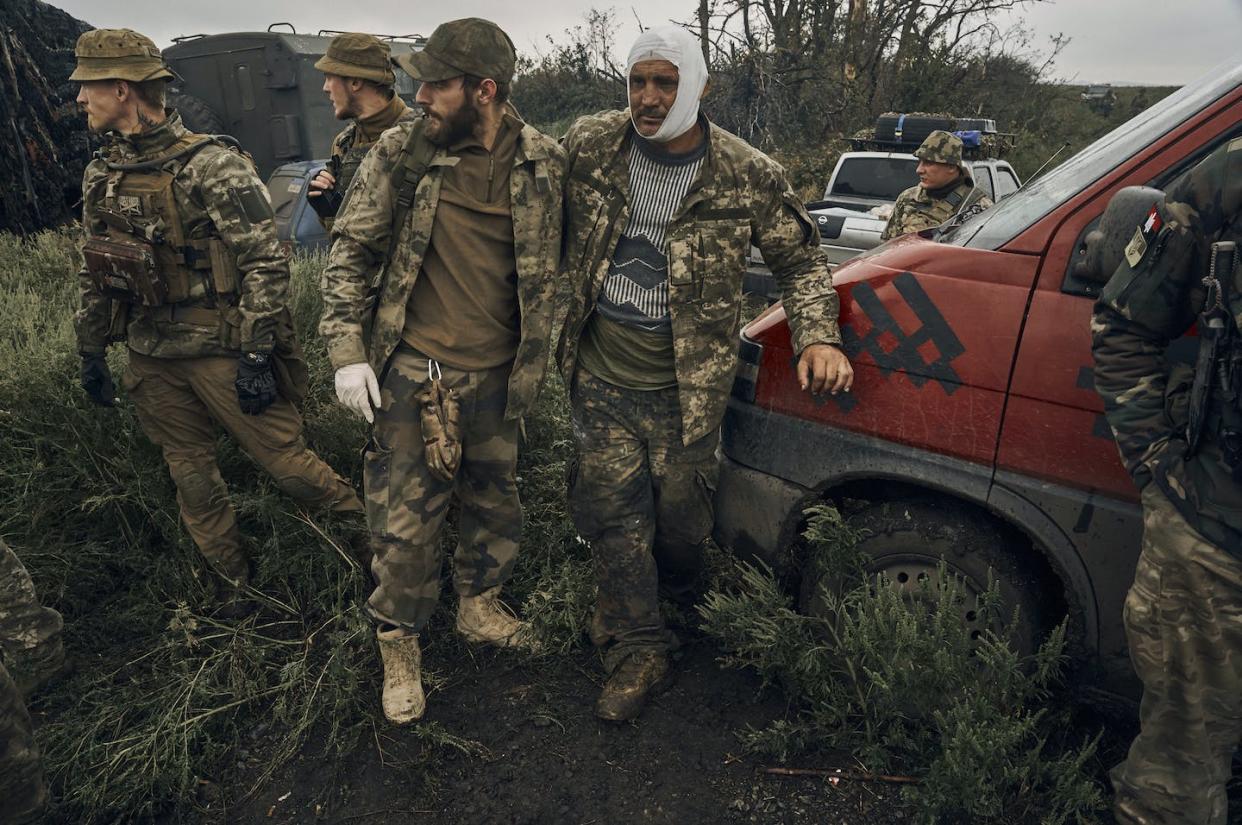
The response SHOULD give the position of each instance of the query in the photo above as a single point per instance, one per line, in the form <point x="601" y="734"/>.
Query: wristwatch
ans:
<point x="256" y="359"/>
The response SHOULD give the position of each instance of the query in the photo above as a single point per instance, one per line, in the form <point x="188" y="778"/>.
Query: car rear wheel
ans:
<point x="906" y="543"/>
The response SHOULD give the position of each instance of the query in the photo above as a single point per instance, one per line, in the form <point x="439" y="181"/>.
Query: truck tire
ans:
<point x="196" y="114"/>
<point x="907" y="541"/>
<point x="914" y="128"/>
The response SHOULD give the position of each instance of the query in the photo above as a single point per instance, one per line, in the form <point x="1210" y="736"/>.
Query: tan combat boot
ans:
<point x="485" y="618"/>
<point x="640" y="676"/>
<point x="403" y="697"/>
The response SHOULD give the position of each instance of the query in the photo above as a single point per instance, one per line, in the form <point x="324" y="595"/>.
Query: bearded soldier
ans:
<point x="1179" y="430"/>
<point x="946" y="189"/>
<point x="460" y="214"/>
<point x="358" y="79"/>
<point x="662" y="207"/>
<point x="181" y="262"/>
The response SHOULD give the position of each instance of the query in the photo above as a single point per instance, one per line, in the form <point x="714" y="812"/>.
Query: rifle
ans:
<point x="1216" y="326"/>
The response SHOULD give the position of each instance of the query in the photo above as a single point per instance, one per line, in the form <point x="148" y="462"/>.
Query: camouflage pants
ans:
<point x="180" y="402"/>
<point x="1183" y="618"/>
<point x="407" y="504"/>
<point x="643" y="500"/>
<point x="30" y="640"/>
<point x="22" y="792"/>
<point x="31" y="644"/>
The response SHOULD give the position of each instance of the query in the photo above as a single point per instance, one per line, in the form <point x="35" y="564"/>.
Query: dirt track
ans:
<point x="547" y="760"/>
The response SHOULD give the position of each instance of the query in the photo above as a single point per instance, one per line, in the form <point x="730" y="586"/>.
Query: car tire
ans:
<point x="196" y="114"/>
<point x="906" y="541"/>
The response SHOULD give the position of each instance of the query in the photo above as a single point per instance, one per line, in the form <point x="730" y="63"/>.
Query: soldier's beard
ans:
<point x="455" y="127"/>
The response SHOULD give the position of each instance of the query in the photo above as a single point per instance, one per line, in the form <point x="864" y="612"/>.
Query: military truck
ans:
<point x="263" y="89"/>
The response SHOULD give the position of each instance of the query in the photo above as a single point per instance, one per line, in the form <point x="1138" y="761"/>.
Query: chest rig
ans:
<point x="139" y="250"/>
<point x="345" y="166"/>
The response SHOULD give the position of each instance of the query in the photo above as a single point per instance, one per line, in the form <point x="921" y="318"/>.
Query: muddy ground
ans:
<point x="540" y="756"/>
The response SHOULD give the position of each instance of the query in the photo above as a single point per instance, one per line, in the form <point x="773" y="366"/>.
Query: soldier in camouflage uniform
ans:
<point x="460" y="216"/>
<point x="662" y="208"/>
<point x="30" y="642"/>
<point x="946" y="189"/>
<point x="181" y="261"/>
<point x="358" y="80"/>
<point x="1183" y="614"/>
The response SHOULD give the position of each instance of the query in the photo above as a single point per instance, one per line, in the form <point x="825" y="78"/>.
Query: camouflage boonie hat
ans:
<point x="358" y="55"/>
<point x="941" y="147"/>
<point x="118" y="54"/>
<point x="467" y="46"/>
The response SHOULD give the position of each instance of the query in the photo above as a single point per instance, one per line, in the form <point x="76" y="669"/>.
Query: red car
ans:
<point x="973" y="431"/>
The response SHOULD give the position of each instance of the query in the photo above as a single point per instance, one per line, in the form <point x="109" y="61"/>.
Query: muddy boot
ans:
<point x="359" y="549"/>
<point x="232" y="599"/>
<point x="639" y="676"/>
<point x="485" y="618"/>
<point x="598" y="632"/>
<point x="403" y="698"/>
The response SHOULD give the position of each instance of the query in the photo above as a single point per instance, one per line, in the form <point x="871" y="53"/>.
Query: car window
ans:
<point x="1006" y="183"/>
<point x="996" y="227"/>
<point x="882" y="178"/>
<point x="983" y="179"/>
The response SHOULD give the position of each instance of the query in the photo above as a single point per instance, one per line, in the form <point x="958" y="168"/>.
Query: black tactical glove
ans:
<point x="327" y="203"/>
<point x="256" y="385"/>
<point x="97" y="379"/>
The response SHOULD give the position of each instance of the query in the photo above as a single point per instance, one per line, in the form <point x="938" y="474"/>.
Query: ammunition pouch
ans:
<point x="440" y="417"/>
<point x="118" y="321"/>
<point x="125" y="269"/>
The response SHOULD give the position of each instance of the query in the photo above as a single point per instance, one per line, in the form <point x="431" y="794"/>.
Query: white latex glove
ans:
<point x="358" y="389"/>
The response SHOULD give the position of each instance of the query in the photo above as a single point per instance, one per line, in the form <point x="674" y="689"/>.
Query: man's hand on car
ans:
<point x="824" y="367"/>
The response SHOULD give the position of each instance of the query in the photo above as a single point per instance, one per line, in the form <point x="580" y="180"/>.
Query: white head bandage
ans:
<point x="681" y="48"/>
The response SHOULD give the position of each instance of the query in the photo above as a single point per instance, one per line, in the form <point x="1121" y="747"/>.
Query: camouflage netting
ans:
<point x="44" y="147"/>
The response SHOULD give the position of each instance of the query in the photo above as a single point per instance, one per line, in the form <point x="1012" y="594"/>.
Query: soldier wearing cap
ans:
<point x="181" y="261"/>
<point x="461" y="213"/>
<point x="946" y="189"/>
<point x="358" y="80"/>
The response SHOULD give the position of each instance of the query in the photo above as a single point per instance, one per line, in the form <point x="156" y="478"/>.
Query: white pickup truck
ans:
<point x="858" y="200"/>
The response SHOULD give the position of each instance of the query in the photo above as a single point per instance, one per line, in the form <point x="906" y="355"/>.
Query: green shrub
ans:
<point x="901" y="685"/>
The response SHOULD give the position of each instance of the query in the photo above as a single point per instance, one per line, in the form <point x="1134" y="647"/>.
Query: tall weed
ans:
<point x="901" y="685"/>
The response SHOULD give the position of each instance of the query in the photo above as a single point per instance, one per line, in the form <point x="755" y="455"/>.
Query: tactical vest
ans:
<point x="346" y="165"/>
<point x="138" y="252"/>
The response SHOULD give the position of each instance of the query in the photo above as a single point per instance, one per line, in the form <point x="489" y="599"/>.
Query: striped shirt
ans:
<point x="635" y="292"/>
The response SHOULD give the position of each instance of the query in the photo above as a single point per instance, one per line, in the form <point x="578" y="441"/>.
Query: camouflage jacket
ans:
<point x="740" y="196"/>
<point x="916" y="209"/>
<point x="1142" y="309"/>
<point x="351" y="145"/>
<point x="218" y="194"/>
<point x="360" y="241"/>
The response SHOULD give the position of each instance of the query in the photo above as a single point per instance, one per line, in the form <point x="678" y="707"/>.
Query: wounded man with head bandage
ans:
<point x="662" y="207"/>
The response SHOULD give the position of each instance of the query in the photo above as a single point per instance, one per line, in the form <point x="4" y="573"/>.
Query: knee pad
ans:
<point x="199" y="485"/>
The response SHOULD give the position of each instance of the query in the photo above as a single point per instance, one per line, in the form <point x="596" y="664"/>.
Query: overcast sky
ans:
<point x="1158" y="42"/>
